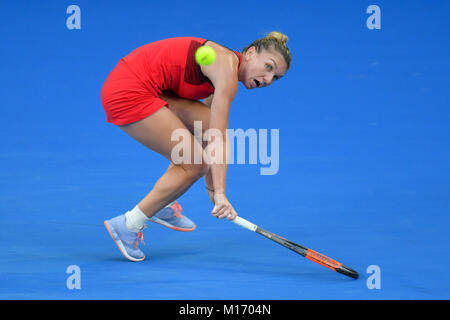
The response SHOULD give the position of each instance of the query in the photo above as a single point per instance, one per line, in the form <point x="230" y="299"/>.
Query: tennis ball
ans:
<point x="205" y="56"/>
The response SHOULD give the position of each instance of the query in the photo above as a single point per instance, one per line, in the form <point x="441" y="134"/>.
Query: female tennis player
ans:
<point x="155" y="90"/>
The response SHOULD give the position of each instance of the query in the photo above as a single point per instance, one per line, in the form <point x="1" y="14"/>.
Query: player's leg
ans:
<point x="190" y="111"/>
<point x="155" y="132"/>
<point x="172" y="217"/>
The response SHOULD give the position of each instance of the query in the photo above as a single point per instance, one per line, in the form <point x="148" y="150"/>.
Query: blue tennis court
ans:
<point x="363" y="165"/>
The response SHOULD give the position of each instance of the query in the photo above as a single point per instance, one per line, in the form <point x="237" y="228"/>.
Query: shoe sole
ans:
<point x="120" y="245"/>
<point x="165" y="224"/>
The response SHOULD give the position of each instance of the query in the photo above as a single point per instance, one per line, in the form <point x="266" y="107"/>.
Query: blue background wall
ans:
<point x="364" y="154"/>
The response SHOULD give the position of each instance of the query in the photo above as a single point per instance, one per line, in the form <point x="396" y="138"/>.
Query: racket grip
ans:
<point x="244" y="223"/>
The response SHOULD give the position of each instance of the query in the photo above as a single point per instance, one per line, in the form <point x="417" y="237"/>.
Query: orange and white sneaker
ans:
<point x="172" y="218"/>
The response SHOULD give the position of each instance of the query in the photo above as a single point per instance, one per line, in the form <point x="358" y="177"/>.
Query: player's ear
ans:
<point x="250" y="52"/>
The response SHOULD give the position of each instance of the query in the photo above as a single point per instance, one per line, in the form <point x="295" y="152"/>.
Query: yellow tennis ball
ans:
<point x="205" y="56"/>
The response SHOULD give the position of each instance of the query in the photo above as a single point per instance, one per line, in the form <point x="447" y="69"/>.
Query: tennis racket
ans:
<point x="307" y="253"/>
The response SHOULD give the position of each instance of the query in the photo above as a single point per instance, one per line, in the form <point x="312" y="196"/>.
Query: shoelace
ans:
<point x="176" y="207"/>
<point x="140" y="237"/>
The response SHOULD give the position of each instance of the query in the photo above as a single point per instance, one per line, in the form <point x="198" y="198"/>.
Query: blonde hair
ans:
<point x="273" y="41"/>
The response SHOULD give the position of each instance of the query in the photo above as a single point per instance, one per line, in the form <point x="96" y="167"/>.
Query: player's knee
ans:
<point x="199" y="170"/>
<point x="204" y="169"/>
<point x="194" y="172"/>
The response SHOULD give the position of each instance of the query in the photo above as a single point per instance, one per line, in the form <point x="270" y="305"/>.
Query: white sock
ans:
<point x="135" y="220"/>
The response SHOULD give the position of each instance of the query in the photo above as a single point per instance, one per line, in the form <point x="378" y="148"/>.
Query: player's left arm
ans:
<point x="223" y="75"/>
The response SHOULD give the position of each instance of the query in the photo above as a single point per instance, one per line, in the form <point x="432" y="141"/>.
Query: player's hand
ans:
<point x="222" y="207"/>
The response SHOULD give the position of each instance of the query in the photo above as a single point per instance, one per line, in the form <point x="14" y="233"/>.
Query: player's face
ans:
<point x="261" y="69"/>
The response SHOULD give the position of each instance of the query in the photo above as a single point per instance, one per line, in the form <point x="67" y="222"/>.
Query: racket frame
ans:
<point x="304" y="251"/>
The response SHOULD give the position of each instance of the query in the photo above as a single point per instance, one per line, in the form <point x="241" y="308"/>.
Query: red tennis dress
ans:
<point x="132" y="89"/>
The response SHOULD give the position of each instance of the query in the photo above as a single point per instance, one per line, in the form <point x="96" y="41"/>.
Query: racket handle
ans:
<point x="244" y="223"/>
